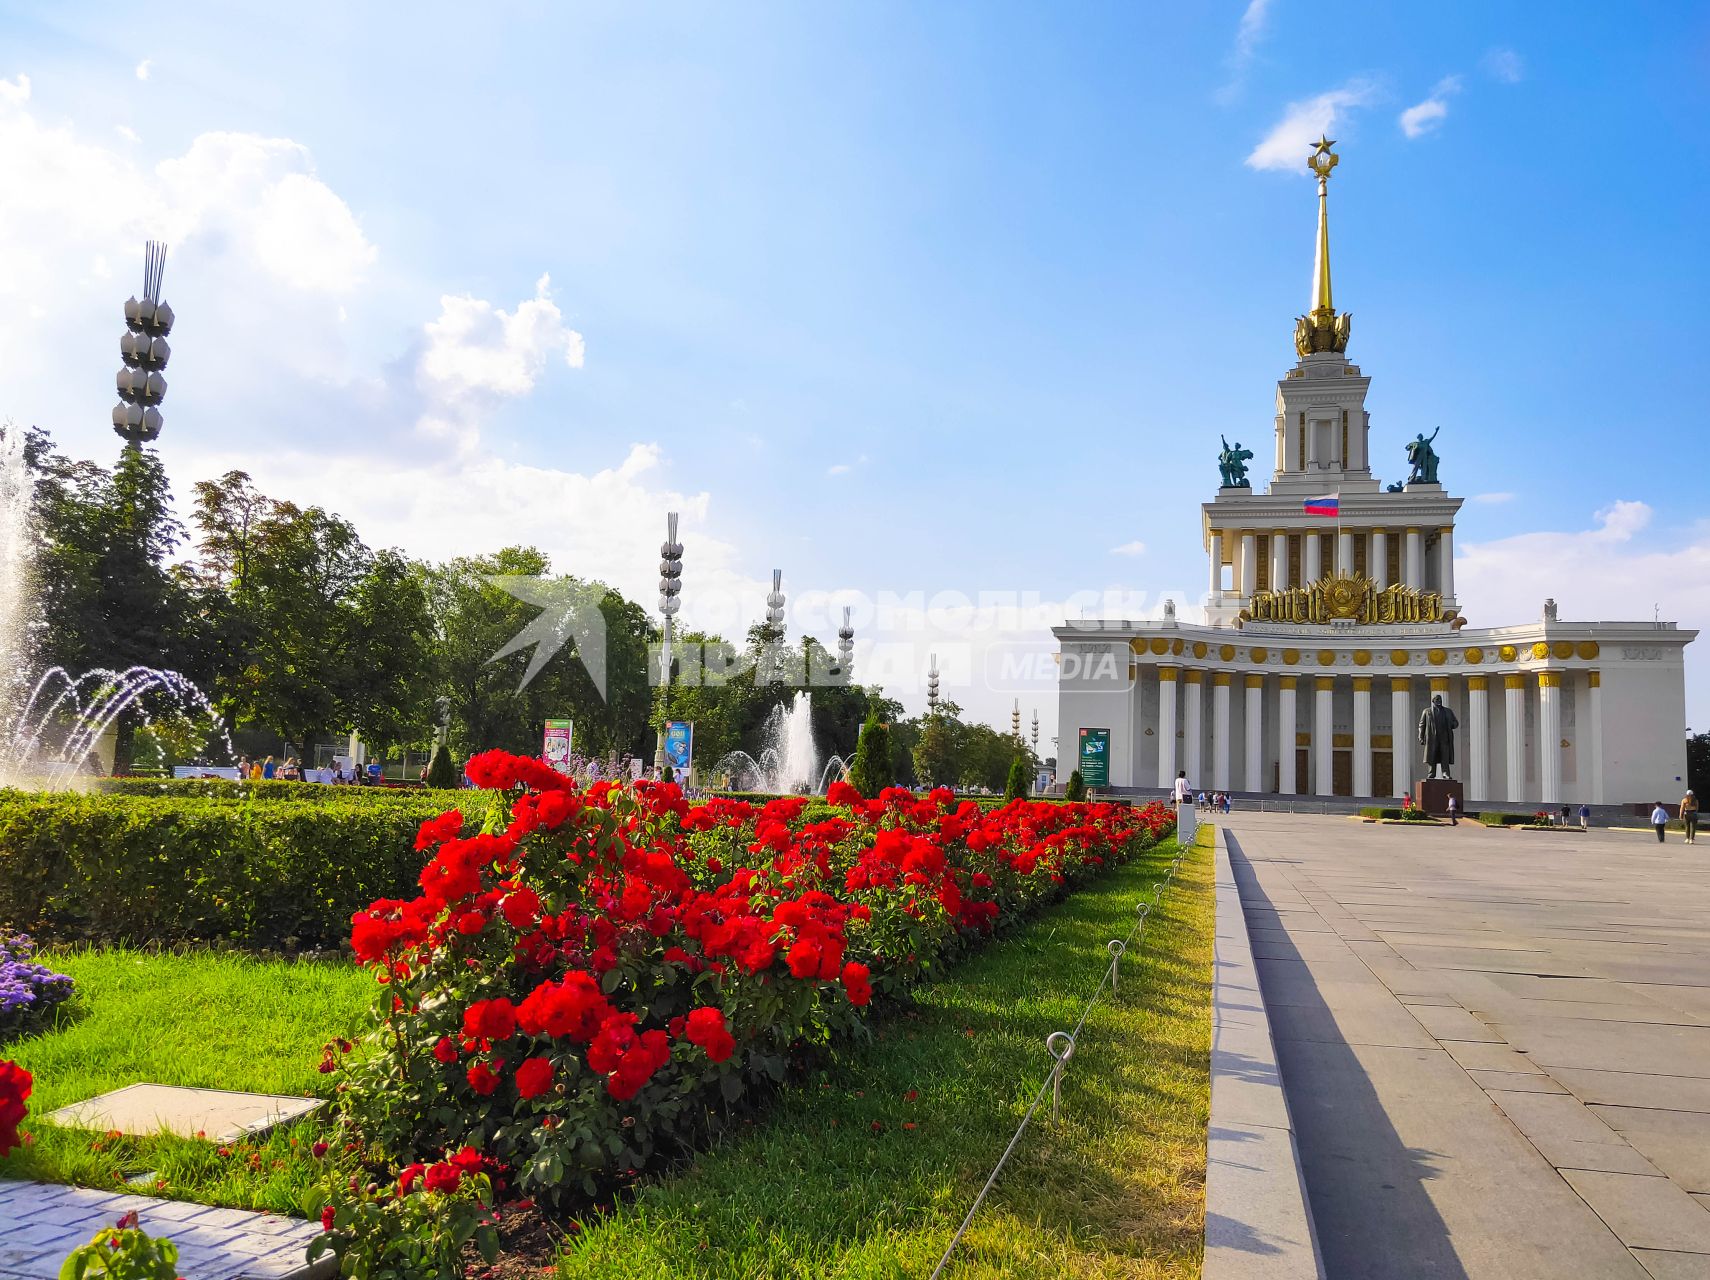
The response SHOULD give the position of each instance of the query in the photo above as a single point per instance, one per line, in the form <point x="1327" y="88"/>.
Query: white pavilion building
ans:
<point x="1328" y="634"/>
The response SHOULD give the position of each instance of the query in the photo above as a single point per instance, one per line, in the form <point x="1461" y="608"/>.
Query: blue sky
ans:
<point x="894" y="297"/>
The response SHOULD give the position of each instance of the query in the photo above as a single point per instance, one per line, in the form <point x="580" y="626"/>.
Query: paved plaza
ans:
<point x="1495" y="1045"/>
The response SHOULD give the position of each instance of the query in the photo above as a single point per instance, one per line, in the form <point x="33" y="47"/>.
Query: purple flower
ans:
<point x="28" y="991"/>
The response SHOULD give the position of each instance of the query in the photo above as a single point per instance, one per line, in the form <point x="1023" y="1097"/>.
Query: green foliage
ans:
<point x="175" y="869"/>
<point x="124" y="1252"/>
<point x="1698" y="765"/>
<point x="269" y="791"/>
<point x="1019" y="782"/>
<point x="870" y="773"/>
<point x="1077" y="787"/>
<point x="378" y="1231"/>
<point x="442" y="770"/>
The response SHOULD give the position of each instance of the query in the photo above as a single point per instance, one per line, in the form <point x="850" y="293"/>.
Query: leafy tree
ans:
<point x="1698" y="765"/>
<point x="442" y="769"/>
<point x="1077" y="787"/>
<point x="1018" y="784"/>
<point x="871" y="771"/>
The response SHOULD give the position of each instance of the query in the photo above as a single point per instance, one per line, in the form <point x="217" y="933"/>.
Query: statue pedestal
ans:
<point x="1434" y="793"/>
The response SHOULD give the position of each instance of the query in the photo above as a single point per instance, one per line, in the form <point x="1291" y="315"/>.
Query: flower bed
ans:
<point x="597" y="976"/>
<point x="28" y="990"/>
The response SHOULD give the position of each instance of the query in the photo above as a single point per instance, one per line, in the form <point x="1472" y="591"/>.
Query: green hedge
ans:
<point x="172" y="869"/>
<point x="1505" y="819"/>
<point x="227" y="789"/>
<point x="1397" y="815"/>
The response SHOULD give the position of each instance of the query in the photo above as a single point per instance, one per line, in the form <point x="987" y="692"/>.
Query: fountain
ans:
<point x="51" y="726"/>
<point x="789" y="760"/>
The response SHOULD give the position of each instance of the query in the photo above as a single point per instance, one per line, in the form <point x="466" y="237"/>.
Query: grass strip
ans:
<point x="867" y="1170"/>
<point x="205" y="1019"/>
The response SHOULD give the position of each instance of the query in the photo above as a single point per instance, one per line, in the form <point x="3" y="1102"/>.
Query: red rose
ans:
<point x="327" y="1215"/>
<point x="407" y="1177"/>
<point x="706" y="1028"/>
<point x="521" y="907"/>
<point x="445" y="1051"/>
<point x="534" y="1077"/>
<point x="856" y="983"/>
<point x="842" y="793"/>
<point x="490" y="1019"/>
<point x="442" y="1178"/>
<point x="318" y="1150"/>
<point x="467" y="1159"/>
<point x="482" y="1079"/>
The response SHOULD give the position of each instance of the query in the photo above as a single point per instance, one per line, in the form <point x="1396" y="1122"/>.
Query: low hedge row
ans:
<point x="172" y="869"/>
<point x="1396" y="815"/>
<point x="270" y="790"/>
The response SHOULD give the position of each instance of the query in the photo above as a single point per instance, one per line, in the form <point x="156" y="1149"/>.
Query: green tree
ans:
<point x="1076" y="788"/>
<point x="871" y="771"/>
<point x="1018" y="783"/>
<point x="442" y="769"/>
<point x="1698" y="765"/>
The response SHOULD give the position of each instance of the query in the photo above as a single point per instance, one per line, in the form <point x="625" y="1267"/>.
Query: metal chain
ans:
<point x="1061" y="1046"/>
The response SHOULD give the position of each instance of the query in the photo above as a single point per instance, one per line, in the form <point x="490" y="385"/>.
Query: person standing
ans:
<point x="1659" y="820"/>
<point x="1689" y="817"/>
<point x="1584" y="817"/>
<point x="1453" y="814"/>
<point x="1183" y="792"/>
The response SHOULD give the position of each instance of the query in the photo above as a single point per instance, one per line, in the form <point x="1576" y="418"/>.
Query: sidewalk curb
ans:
<point x="1257" y="1219"/>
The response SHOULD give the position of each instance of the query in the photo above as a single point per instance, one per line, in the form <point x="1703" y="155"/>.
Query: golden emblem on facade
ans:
<point x="1342" y="598"/>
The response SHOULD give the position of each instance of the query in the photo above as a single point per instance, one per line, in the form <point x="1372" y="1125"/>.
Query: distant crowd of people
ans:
<point x="291" y="769"/>
<point x="1205" y="801"/>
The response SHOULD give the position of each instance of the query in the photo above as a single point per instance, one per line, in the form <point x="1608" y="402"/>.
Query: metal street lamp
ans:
<point x="932" y="687"/>
<point x="144" y="350"/>
<point x="846" y="648"/>
<point x="670" y="585"/>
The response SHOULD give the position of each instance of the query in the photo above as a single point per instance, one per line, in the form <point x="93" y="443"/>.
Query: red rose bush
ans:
<point x="590" y="976"/>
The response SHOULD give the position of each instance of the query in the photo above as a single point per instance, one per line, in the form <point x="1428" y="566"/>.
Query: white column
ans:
<point x="1478" y="739"/>
<point x="1286" y="782"/>
<point x="1220" y="730"/>
<point x="1550" y="736"/>
<point x="1380" y="558"/>
<point x="1216" y="565"/>
<point x="1413" y="560"/>
<point x="1446" y="561"/>
<point x="1249" y="562"/>
<point x="1514" y="690"/>
<point x="1193" y="727"/>
<point x="1596" y="713"/>
<point x="1402" y="733"/>
<point x="1255" y="731"/>
<point x="1279" y="559"/>
<point x="1345" y="551"/>
<point x="1166" y="727"/>
<point x="1362" y="735"/>
<point x="1313" y="567"/>
<point x="1323" y="747"/>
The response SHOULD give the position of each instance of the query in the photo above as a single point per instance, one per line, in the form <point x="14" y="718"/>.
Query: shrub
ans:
<point x="410" y="1228"/>
<point x="1077" y="788"/>
<point x="123" y="1252"/>
<point x="175" y="869"/>
<point x="15" y="1086"/>
<point x="263" y="790"/>
<point x="1017" y="785"/>
<point x="442" y="770"/>
<point x="593" y="982"/>
<point x="870" y="772"/>
<point x="28" y="991"/>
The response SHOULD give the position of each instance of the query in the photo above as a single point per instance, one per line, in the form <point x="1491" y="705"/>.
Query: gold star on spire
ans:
<point x="1322" y="145"/>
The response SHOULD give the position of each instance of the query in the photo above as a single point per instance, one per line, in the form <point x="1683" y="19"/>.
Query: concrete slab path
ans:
<point x="1495" y="1044"/>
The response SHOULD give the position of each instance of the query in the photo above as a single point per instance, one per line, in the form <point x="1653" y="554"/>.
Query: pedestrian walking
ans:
<point x="1453" y="816"/>
<point x="1689" y="817"/>
<point x="1225" y="802"/>
<point x="1659" y="820"/>
<point x="1584" y="817"/>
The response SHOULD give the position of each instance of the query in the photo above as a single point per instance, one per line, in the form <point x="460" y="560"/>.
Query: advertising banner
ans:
<point x="679" y="744"/>
<point x="556" y="749"/>
<point x="1095" y="757"/>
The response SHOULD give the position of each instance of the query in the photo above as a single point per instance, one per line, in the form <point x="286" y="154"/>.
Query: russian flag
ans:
<point x="1329" y="505"/>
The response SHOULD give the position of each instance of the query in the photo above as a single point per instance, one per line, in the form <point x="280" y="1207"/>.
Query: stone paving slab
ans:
<point x="41" y="1223"/>
<point x="219" y="1115"/>
<point x="1555" y="1120"/>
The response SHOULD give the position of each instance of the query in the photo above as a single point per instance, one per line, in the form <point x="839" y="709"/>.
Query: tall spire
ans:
<point x="1321" y="329"/>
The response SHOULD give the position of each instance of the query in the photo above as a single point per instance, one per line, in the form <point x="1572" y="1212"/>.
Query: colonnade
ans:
<point x="1323" y="551"/>
<point x="1474" y="754"/>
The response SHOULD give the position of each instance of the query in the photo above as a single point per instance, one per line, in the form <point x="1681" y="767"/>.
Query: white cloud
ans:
<point x="1290" y="140"/>
<point x="1248" y="33"/>
<point x="1422" y="117"/>
<point x="838" y="469"/>
<point x="475" y="348"/>
<point x="1135" y="548"/>
<point x="127" y="133"/>
<point x="143" y="68"/>
<point x="1491" y="499"/>
<point x="1617" y="570"/>
<point x="15" y="91"/>
<point x="1504" y="65"/>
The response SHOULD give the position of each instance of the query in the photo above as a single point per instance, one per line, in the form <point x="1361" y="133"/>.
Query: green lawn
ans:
<point x="210" y="1019"/>
<point x="866" y="1171"/>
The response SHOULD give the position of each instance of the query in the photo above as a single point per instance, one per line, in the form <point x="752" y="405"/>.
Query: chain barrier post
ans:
<point x="1061" y="1046"/>
<point x="1116" y="947"/>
